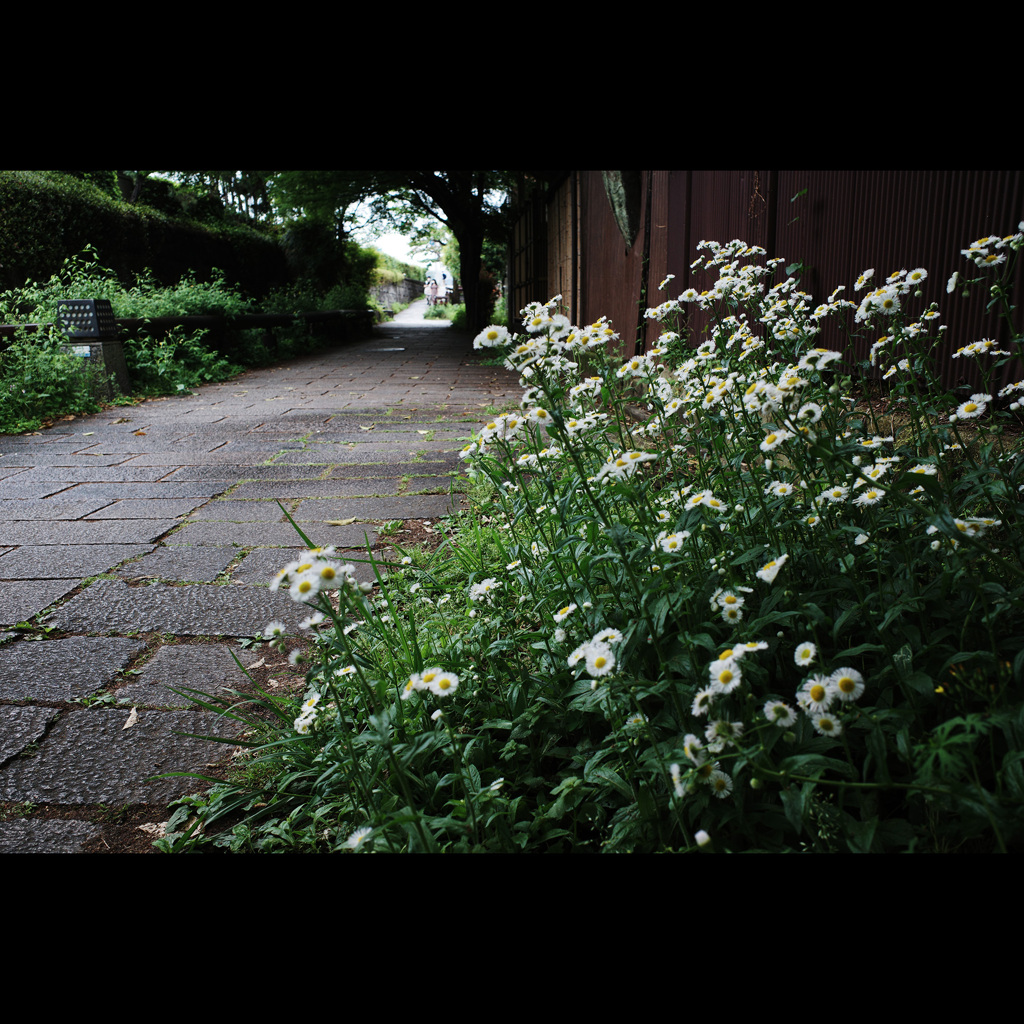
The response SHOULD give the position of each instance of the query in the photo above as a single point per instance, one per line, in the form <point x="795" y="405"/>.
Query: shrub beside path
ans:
<point x="136" y="548"/>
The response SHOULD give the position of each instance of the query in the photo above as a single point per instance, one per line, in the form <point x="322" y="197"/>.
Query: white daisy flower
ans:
<point x="600" y="659"/>
<point x="847" y="683"/>
<point x="564" y="613"/>
<point x="770" y="570"/>
<point x="356" y="840"/>
<point x="805" y="653"/>
<point x="973" y="408"/>
<point x="779" y="713"/>
<point x="827" y="725"/>
<point x="816" y="694"/>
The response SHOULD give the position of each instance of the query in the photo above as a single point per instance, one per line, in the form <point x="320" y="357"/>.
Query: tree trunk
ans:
<point x="471" y="244"/>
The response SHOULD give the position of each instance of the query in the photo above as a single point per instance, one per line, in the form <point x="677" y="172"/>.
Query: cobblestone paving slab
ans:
<point x="15" y="487"/>
<point x="28" y="835"/>
<point x="110" y="606"/>
<point x="182" y="565"/>
<point x="261" y="566"/>
<point x="63" y="670"/>
<point x="45" y="561"/>
<point x="431" y="484"/>
<point x="205" y="667"/>
<point x="162" y="462"/>
<point x="427" y="467"/>
<point x="270" y="489"/>
<point x="132" y="531"/>
<point x="228" y="510"/>
<point x="356" y="487"/>
<point x="91" y="474"/>
<point x="248" y="535"/>
<point x="71" y="460"/>
<point x="370" y="454"/>
<point x="418" y="506"/>
<point x="148" y="508"/>
<point x="180" y="488"/>
<point x="21" y="726"/>
<point x="89" y="757"/>
<point x="227" y="475"/>
<point x="20" y="601"/>
<point x="49" y="509"/>
<point x="263" y="535"/>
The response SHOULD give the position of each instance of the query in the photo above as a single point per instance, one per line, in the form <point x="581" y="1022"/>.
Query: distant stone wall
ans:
<point x="405" y="291"/>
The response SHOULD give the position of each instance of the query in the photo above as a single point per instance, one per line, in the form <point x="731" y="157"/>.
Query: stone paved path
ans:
<point x="173" y="505"/>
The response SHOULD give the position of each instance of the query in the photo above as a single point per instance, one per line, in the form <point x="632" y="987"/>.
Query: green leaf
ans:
<point x="861" y="834"/>
<point x="611" y="777"/>
<point x="793" y="798"/>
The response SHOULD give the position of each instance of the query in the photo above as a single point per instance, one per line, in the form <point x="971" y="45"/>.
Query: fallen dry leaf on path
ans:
<point x="340" y="522"/>
<point x="131" y="720"/>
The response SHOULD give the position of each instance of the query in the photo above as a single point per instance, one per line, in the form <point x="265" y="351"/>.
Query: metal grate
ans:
<point x="87" y="318"/>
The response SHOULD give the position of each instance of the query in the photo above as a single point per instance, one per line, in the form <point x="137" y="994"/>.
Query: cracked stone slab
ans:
<point x="41" y="562"/>
<point x="111" y="606"/>
<point x="41" y="835"/>
<point x="22" y="726"/>
<point x="205" y="667"/>
<point x="81" y="531"/>
<point x="89" y="757"/>
<point x="63" y="670"/>
<point x="180" y="564"/>
<point x="20" y="601"/>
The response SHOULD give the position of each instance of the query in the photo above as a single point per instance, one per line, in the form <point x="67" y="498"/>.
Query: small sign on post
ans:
<point x="93" y="319"/>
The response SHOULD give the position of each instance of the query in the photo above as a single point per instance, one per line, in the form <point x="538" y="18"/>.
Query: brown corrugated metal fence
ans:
<point x="836" y="223"/>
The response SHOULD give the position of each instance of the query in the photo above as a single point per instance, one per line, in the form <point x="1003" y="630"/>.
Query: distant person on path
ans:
<point x="431" y="292"/>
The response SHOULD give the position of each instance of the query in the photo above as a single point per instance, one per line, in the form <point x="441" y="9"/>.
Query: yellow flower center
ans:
<point x="817" y="693"/>
<point x="600" y="661"/>
<point x="846" y="684"/>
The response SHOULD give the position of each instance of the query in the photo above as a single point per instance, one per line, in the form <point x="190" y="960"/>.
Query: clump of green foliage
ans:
<point x="39" y="381"/>
<point x="751" y="616"/>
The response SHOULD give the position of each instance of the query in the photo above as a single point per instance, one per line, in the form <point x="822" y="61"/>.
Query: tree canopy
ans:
<point x="471" y="204"/>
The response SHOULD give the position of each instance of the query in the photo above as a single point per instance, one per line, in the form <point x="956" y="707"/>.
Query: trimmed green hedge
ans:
<point x="44" y="215"/>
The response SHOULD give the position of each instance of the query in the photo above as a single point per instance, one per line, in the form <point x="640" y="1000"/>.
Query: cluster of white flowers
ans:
<point x="308" y="715"/>
<point x="484" y="590"/>
<point x="439" y="682"/>
<point x="317" y="570"/>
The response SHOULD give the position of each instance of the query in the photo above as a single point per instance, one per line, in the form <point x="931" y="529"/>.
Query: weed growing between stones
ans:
<point x="704" y="600"/>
